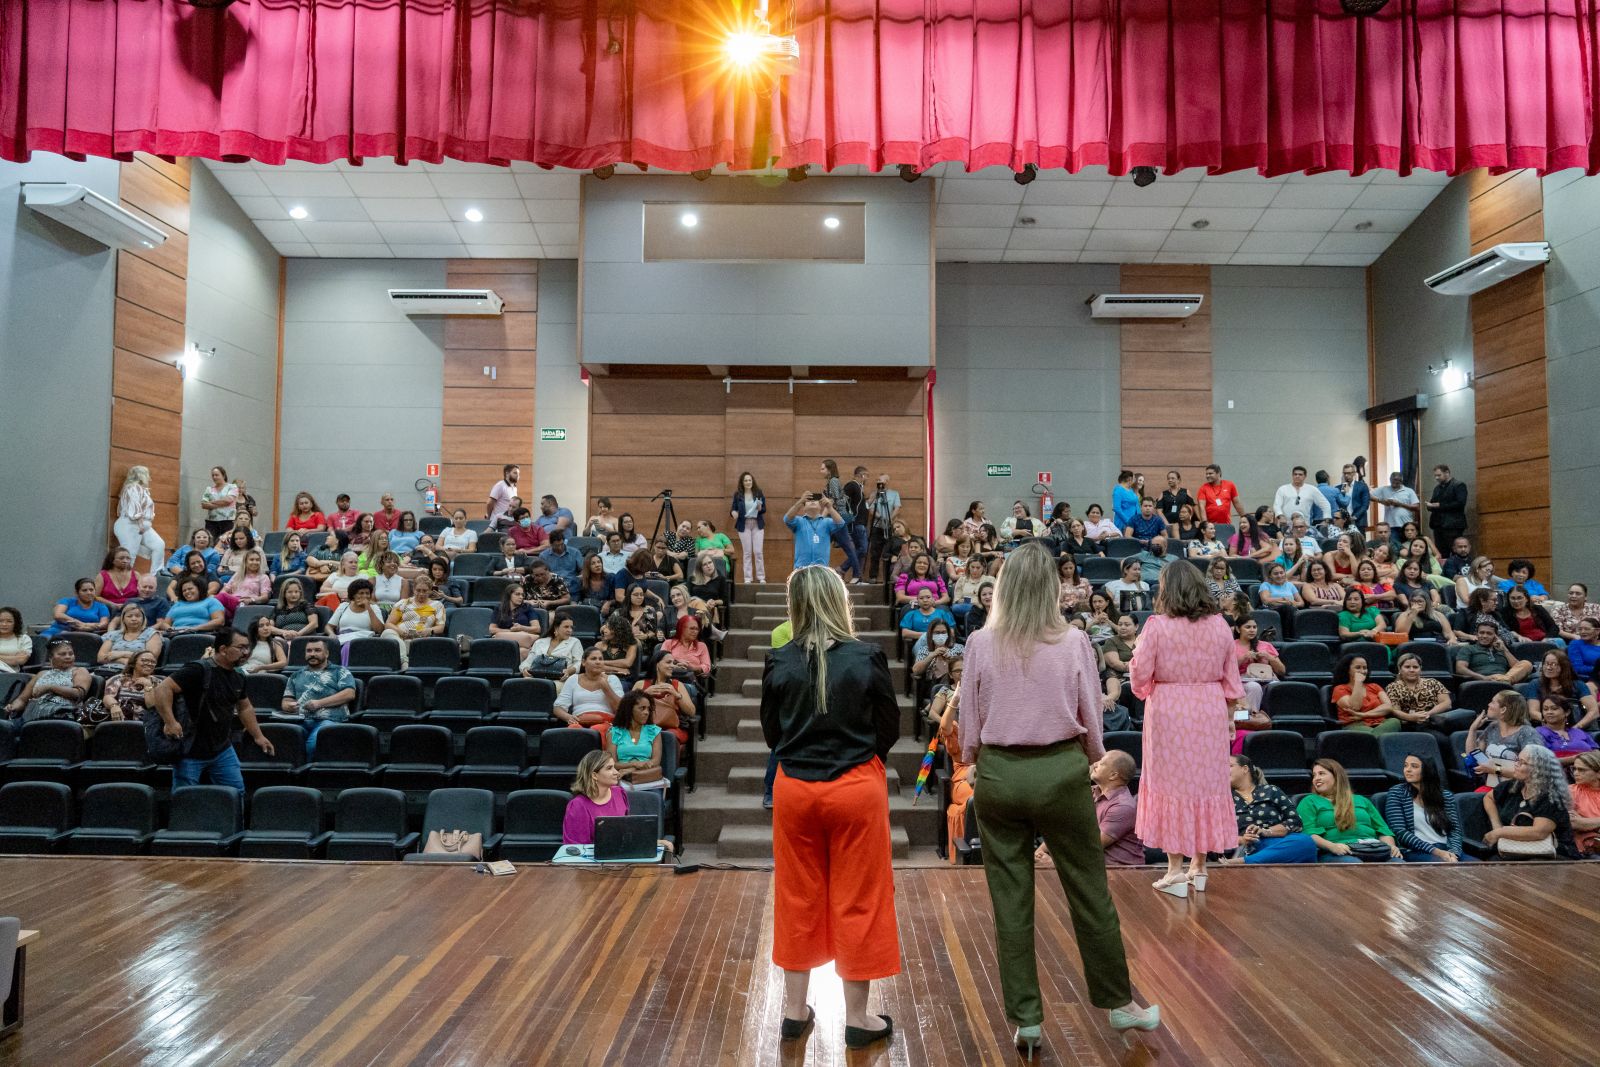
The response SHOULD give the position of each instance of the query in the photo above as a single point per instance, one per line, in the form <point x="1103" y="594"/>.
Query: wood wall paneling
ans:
<point x="148" y="335"/>
<point x="1510" y="394"/>
<point x="1166" y="377"/>
<point x="488" y="421"/>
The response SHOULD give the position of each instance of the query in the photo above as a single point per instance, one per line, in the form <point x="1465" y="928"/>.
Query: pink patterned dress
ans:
<point x="1185" y="671"/>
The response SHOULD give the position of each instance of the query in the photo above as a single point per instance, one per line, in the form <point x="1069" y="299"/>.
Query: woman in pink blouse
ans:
<point x="1186" y="672"/>
<point x="1031" y="722"/>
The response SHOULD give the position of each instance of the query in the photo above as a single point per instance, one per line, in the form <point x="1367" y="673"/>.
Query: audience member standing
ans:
<point x="1124" y="501"/>
<point x="1298" y="498"/>
<point x="1185" y="671"/>
<point x="1399" y="502"/>
<point x="136" y="517"/>
<point x="843" y="517"/>
<point x="501" y="495"/>
<point x="750" y="522"/>
<point x="1219" y="497"/>
<point x="1447" y="507"/>
<point x="1355" y="484"/>
<point x="219" y="502"/>
<point x="855" y="493"/>
<point x="1173" y="497"/>
<point x="883" y="508"/>
<point x="813" y="529"/>
<point x="1031" y="721"/>
<point x="829" y="712"/>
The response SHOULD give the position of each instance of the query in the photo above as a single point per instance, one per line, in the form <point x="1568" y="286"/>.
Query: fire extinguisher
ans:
<point x="1047" y="504"/>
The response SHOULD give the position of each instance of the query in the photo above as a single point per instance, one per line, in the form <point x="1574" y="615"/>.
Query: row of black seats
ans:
<point x="285" y="822"/>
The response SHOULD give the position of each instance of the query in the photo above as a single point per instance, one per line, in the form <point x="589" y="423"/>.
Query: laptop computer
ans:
<point x="624" y="837"/>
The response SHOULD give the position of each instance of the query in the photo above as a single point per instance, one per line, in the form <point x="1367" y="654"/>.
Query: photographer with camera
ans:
<point x="813" y="519"/>
<point x="881" y="509"/>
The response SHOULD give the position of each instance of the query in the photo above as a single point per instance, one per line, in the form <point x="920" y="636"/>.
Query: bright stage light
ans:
<point x="831" y="222"/>
<point x="743" y="48"/>
<point x="689" y="219"/>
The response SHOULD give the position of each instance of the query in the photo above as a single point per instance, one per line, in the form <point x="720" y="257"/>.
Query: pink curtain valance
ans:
<point x="1266" y="85"/>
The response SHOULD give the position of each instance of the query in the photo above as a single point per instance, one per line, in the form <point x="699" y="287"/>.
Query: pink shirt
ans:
<point x="1053" y="697"/>
<point x="577" y="826"/>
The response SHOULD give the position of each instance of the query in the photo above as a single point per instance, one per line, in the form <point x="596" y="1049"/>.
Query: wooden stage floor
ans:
<point x="233" y="962"/>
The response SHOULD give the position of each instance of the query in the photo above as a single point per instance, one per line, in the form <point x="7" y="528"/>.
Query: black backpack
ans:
<point x="166" y="750"/>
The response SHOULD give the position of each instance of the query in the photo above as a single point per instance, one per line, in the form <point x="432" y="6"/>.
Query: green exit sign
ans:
<point x="559" y="433"/>
<point x="998" y="470"/>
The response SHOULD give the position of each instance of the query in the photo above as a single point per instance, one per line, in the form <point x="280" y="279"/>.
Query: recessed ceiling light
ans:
<point x="689" y="219"/>
<point x="1362" y="227"/>
<point x="472" y="214"/>
<point x="298" y="212"/>
<point x="1199" y="224"/>
<point x="831" y="222"/>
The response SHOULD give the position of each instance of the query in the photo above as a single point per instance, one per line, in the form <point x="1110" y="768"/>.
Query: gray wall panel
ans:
<point x="560" y="398"/>
<point x="57" y="288"/>
<point x="362" y="407"/>
<point x="1572" y="332"/>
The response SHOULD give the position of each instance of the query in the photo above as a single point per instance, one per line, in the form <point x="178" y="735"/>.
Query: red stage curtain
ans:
<point x="1269" y="85"/>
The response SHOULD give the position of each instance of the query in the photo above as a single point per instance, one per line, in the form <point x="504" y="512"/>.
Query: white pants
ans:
<point x="405" y="647"/>
<point x="752" y="539"/>
<point x="148" y="543"/>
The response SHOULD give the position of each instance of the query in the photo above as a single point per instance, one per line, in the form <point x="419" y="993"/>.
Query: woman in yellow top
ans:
<point x="418" y="615"/>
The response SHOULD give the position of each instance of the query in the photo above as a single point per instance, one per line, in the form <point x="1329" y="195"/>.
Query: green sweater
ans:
<point x="1316" y="813"/>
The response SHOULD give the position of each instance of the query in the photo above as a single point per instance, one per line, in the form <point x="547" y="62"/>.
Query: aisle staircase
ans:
<point x="724" y="812"/>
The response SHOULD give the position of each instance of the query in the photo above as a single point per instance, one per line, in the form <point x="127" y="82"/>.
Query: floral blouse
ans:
<point x="1268" y="806"/>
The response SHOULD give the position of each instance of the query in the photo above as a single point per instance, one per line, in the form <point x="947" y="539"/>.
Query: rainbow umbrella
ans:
<point x="933" y="748"/>
<point x="926" y="769"/>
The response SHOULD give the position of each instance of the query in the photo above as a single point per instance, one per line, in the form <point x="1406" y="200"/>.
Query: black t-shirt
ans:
<point x="1170" y="502"/>
<point x="1509" y="799"/>
<point x="210" y="712"/>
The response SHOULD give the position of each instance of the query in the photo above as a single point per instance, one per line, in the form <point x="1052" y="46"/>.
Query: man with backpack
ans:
<point x="212" y="692"/>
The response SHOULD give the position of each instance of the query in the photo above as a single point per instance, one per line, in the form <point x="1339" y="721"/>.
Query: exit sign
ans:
<point x="998" y="470"/>
<point x="552" y="433"/>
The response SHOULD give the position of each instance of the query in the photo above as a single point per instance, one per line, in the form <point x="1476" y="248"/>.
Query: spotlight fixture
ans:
<point x="831" y="222"/>
<point x="1143" y="176"/>
<point x="604" y="172"/>
<point x="472" y="214"/>
<point x="909" y="172"/>
<point x="689" y="220"/>
<point x="798" y="174"/>
<point x="299" y="212"/>
<point x="1364" y="226"/>
<point x="1028" y="172"/>
<point x="700" y="175"/>
<point x="755" y="47"/>
<point x="1199" y="224"/>
<point x="1451" y="378"/>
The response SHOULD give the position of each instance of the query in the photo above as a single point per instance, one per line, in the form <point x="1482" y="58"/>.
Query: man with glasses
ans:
<point x="213" y="693"/>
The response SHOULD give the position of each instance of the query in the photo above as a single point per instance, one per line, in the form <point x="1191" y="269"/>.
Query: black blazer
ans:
<point x="863" y="717"/>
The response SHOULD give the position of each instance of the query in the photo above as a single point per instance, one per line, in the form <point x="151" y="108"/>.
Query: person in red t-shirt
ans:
<point x="1219" y="498"/>
<point x="307" y="516"/>
<point x="344" y="519"/>
<point x="386" y="517"/>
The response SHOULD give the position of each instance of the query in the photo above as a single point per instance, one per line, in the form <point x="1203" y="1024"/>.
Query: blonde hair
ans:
<point x="137" y="475"/>
<point x="588" y="767"/>
<point x="1344" y="807"/>
<point x="1513" y="708"/>
<point x="1027" y="599"/>
<point x="819" y="611"/>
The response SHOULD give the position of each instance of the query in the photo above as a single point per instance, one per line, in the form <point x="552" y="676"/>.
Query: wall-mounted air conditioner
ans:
<point x="91" y="214"/>
<point x="1489" y="267"/>
<point x="1144" y="305"/>
<point x="447" y="301"/>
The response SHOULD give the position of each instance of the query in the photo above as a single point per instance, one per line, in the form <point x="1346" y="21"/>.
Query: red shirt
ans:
<point x="527" y="537"/>
<point x="314" y="521"/>
<point x="345" y="520"/>
<point x="1528" y="626"/>
<point x="385" y="520"/>
<point x="1217" y="500"/>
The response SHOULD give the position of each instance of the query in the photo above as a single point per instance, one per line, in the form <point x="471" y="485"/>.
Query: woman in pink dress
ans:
<point x="1186" y="673"/>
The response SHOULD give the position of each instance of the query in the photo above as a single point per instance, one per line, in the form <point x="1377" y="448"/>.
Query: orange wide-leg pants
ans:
<point x="833" y="875"/>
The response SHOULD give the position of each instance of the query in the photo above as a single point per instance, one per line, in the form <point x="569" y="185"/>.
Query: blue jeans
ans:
<point x="221" y="769"/>
<point x="1290" y="848"/>
<point x="312" y="729"/>
<point x="846" y="540"/>
<point x="772" y="775"/>
<point x="859" y="534"/>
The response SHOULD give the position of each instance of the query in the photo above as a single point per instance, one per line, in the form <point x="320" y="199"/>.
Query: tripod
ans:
<point x="666" y="515"/>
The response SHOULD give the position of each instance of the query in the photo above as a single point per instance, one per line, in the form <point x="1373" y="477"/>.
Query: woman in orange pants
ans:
<point x="829" y="712"/>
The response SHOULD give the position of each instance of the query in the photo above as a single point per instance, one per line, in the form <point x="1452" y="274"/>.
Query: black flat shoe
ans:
<point x="858" y="1037"/>
<point x="795" y="1029"/>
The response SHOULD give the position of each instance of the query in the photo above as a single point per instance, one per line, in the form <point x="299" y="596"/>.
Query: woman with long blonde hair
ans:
<point x="136" y="516"/>
<point x="830" y="715"/>
<point x="1031" y="721"/>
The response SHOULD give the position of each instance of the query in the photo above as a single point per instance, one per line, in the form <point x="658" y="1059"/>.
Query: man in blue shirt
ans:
<point x="1124" y="501"/>
<point x="563" y="561"/>
<point x="552" y="516"/>
<point x="612" y="558"/>
<point x="1146" y="524"/>
<point x="1336" y="496"/>
<point x="812" y="529"/>
<point x="319" y="692"/>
